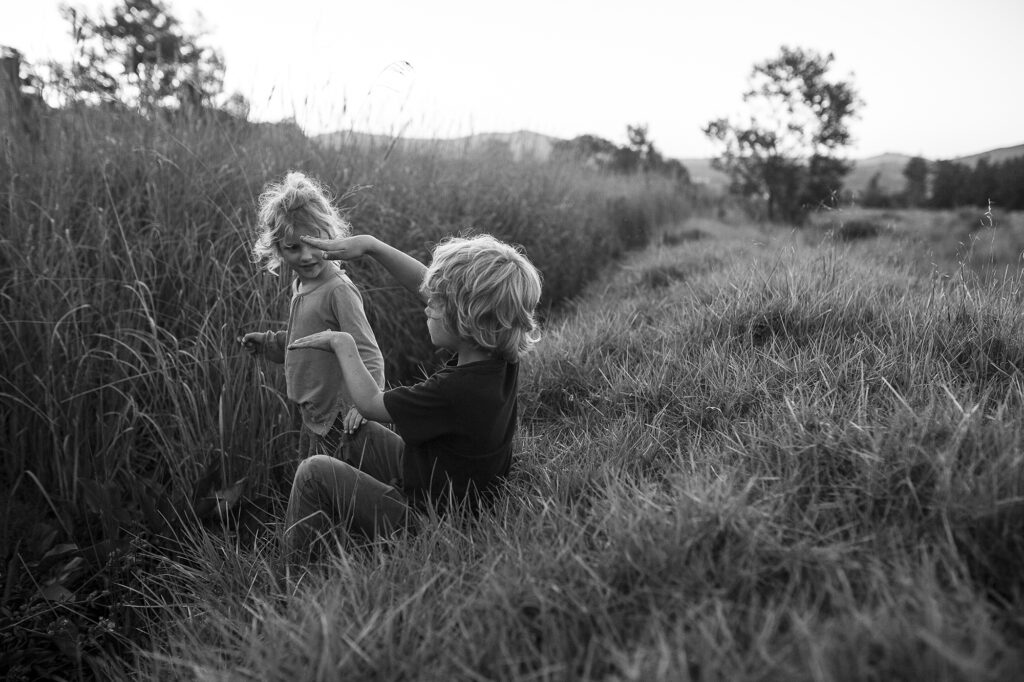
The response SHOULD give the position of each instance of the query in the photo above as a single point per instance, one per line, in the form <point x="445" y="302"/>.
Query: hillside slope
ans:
<point x="890" y="167"/>
<point x="994" y="155"/>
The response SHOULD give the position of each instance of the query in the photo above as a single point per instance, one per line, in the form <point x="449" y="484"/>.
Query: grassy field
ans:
<point x="987" y="243"/>
<point x="126" y="404"/>
<point x="745" y="454"/>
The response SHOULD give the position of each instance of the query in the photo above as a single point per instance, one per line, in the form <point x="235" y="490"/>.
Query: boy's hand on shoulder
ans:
<point x="348" y="248"/>
<point x="325" y="340"/>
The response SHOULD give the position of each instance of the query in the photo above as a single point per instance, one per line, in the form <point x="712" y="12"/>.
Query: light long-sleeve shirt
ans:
<point x="314" y="377"/>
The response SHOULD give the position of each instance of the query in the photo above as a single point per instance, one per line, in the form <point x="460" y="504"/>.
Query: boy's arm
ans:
<point x="365" y="392"/>
<point x="407" y="270"/>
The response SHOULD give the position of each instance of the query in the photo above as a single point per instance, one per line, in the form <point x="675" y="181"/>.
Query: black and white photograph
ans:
<point x="650" y="341"/>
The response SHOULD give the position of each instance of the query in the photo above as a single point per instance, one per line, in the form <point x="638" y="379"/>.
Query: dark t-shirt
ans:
<point x="457" y="427"/>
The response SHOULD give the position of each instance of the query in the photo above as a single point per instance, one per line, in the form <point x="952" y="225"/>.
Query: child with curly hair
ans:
<point x="323" y="298"/>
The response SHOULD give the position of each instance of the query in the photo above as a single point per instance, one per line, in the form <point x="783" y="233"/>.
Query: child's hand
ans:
<point x="352" y="421"/>
<point x="252" y="342"/>
<point x="320" y="340"/>
<point x="348" y="248"/>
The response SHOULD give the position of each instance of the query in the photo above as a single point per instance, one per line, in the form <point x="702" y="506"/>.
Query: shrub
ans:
<point x="855" y="230"/>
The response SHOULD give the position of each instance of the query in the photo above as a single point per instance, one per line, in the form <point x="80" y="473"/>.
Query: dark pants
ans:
<point x="359" y="496"/>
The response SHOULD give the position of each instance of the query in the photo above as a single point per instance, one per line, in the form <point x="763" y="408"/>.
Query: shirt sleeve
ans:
<point x="347" y="307"/>
<point x="421" y="412"/>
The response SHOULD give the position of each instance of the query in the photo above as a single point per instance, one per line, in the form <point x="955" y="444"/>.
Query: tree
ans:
<point x="19" y="93"/>
<point x="874" y="196"/>
<point x="1009" y="191"/>
<point x="916" y="173"/>
<point x="983" y="183"/>
<point x="650" y="159"/>
<point x="141" y="56"/>
<point x="787" y="150"/>
<point x="949" y="186"/>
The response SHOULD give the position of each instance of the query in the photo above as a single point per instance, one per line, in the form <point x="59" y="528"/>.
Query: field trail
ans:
<point x="798" y="448"/>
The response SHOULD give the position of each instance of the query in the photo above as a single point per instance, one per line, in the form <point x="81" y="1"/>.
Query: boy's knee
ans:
<point x="313" y="466"/>
<point x="368" y="430"/>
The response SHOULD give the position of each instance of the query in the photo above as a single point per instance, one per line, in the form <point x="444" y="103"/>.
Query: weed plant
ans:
<point x="124" y="282"/>
<point x="741" y="457"/>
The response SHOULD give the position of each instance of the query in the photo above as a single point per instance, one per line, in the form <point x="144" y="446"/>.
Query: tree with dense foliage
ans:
<point x="139" y="55"/>
<point x="949" y="184"/>
<point x="787" y="150"/>
<point x="916" y="174"/>
<point x="956" y="184"/>
<point x="1009" y="190"/>
<point x="982" y="183"/>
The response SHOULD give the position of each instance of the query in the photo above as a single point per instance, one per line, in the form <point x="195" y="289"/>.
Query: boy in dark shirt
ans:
<point x="454" y="430"/>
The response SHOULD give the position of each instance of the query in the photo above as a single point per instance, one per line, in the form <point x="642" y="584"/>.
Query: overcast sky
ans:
<point x="940" y="78"/>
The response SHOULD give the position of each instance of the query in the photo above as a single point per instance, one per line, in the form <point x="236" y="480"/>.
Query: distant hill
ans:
<point x="527" y="145"/>
<point x="520" y="145"/>
<point x="994" y="155"/>
<point x="891" y="167"/>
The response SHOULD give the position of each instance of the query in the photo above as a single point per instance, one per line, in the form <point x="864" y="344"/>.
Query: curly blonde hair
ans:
<point x="489" y="291"/>
<point x="296" y="202"/>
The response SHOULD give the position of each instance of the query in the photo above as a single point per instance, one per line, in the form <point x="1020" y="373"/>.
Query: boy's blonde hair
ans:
<point x="296" y="202"/>
<point x="489" y="291"/>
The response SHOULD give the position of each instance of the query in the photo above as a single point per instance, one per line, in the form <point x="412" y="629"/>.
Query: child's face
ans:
<point x="440" y="335"/>
<point x="305" y="261"/>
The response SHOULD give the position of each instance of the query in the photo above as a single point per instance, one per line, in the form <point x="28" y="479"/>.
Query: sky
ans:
<point x="938" y="78"/>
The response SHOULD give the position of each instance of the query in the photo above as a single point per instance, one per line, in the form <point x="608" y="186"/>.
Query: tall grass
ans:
<point x="986" y="243"/>
<point x="742" y="457"/>
<point x="125" y="280"/>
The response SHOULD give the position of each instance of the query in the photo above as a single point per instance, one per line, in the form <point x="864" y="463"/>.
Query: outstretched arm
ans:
<point x="269" y="344"/>
<point x="407" y="270"/>
<point x="361" y="385"/>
